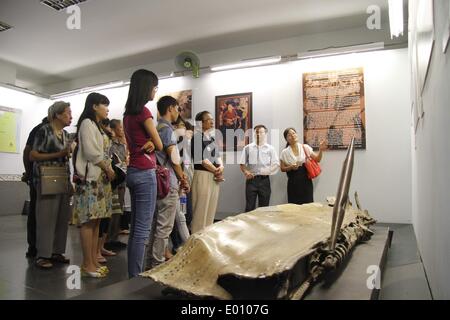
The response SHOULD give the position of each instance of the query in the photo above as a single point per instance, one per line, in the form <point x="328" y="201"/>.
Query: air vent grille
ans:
<point x="4" y="26"/>
<point x="61" y="4"/>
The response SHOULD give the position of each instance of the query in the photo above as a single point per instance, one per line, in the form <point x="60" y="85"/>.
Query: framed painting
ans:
<point x="233" y="121"/>
<point x="184" y="99"/>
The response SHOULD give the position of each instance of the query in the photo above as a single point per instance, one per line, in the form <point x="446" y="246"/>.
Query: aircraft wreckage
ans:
<point x="273" y="252"/>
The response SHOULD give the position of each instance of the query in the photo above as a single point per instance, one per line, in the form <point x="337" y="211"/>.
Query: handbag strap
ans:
<point x="308" y="156"/>
<point x="75" y="161"/>
<point x="159" y="127"/>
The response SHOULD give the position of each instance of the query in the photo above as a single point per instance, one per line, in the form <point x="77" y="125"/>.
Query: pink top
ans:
<point x="137" y="136"/>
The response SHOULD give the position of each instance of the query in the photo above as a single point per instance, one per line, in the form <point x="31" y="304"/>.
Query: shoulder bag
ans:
<point x="312" y="166"/>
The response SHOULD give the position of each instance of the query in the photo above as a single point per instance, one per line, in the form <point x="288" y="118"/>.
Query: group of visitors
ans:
<point x="112" y="158"/>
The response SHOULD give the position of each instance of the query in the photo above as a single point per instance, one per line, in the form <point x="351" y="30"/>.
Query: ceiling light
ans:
<point x="166" y="76"/>
<point x="111" y="85"/>
<point x="332" y="51"/>
<point x="105" y="86"/>
<point x="396" y="18"/>
<point x="247" y="63"/>
<point x="24" y="90"/>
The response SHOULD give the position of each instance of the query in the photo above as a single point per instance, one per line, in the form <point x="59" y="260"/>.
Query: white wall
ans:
<point x="33" y="110"/>
<point x="8" y="72"/>
<point x="431" y="158"/>
<point x="285" y="46"/>
<point x="382" y="173"/>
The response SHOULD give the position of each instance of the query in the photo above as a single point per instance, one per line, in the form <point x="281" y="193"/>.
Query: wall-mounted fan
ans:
<point x="188" y="60"/>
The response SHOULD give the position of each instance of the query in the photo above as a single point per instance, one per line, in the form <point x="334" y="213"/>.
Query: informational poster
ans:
<point x="334" y="109"/>
<point x="10" y="120"/>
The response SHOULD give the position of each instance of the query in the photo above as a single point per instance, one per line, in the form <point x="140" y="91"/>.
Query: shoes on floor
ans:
<point x="95" y="274"/>
<point x="108" y="253"/>
<point x="103" y="270"/>
<point x="111" y="245"/>
<point x="168" y="255"/>
<point x="31" y="253"/>
<point x="60" y="258"/>
<point x="44" y="263"/>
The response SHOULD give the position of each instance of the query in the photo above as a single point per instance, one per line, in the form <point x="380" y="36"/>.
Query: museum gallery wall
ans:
<point x="275" y="98"/>
<point x="20" y="113"/>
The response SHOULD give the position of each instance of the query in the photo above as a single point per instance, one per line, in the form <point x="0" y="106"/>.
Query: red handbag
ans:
<point x="162" y="181"/>
<point x="162" y="174"/>
<point x="311" y="165"/>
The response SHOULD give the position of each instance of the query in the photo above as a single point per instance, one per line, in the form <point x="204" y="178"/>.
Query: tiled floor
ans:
<point x="403" y="278"/>
<point x="21" y="279"/>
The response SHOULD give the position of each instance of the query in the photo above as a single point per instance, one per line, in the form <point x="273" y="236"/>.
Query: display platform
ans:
<point x="353" y="281"/>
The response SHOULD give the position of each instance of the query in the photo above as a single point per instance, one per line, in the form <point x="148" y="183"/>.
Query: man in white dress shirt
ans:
<point x="258" y="162"/>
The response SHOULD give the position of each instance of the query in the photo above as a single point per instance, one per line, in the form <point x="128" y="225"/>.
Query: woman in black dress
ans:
<point x="292" y="159"/>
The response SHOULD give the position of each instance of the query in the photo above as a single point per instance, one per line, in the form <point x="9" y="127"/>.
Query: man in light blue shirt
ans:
<point x="169" y="157"/>
<point x="258" y="162"/>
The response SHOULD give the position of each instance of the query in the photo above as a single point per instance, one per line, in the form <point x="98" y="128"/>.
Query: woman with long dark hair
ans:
<point x="93" y="195"/>
<point x="142" y="139"/>
<point x="292" y="160"/>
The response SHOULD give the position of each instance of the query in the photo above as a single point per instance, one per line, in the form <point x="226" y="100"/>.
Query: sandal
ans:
<point x="44" y="263"/>
<point x="101" y="259"/>
<point x="103" y="270"/>
<point x="108" y="253"/>
<point x="89" y="274"/>
<point x="56" y="257"/>
<point x="168" y="255"/>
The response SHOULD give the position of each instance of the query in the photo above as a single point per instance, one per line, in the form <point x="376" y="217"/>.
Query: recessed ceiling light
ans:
<point x="4" y="26"/>
<point x="61" y="4"/>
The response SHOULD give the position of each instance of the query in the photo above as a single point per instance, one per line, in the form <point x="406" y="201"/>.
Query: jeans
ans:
<point x="142" y="185"/>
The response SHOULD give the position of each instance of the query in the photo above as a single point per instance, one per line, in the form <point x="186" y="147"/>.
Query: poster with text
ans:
<point x="334" y="108"/>
<point x="10" y="129"/>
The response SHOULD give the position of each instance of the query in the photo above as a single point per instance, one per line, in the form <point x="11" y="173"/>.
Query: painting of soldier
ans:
<point x="233" y="120"/>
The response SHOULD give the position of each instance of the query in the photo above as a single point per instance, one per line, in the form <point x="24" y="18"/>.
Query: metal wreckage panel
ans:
<point x="273" y="253"/>
<point x="270" y="253"/>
